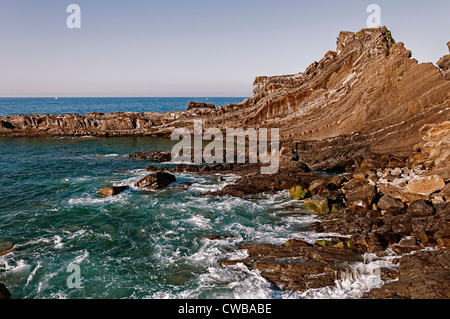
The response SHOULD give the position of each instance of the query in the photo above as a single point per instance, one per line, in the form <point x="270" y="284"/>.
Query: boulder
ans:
<point x="387" y="202"/>
<point x="336" y="182"/>
<point x="360" y="198"/>
<point x="425" y="185"/>
<point x="112" y="190"/>
<point x="400" y="193"/>
<point x="421" y="208"/>
<point x="298" y="192"/>
<point x="156" y="180"/>
<point x="317" y="204"/>
<point x="317" y="186"/>
<point x="445" y="192"/>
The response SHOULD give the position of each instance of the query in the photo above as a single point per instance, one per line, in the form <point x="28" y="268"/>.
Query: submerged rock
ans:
<point x="156" y="180"/>
<point x="6" y="247"/>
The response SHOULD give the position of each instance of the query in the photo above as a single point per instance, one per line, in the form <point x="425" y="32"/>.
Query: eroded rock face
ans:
<point x="367" y="99"/>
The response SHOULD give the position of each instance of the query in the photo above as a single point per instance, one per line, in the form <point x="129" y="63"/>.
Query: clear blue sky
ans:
<point x="189" y="47"/>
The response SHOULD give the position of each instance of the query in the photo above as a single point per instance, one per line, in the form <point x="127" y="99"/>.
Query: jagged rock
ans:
<point x="444" y="63"/>
<point x="361" y="197"/>
<point x="421" y="208"/>
<point x="400" y="193"/>
<point x="298" y="266"/>
<point x="376" y="98"/>
<point x="387" y="202"/>
<point x="157" y="156"/>
<point x="423" y="275"/>
<point x="317" y="186"/>
<point x="317" y="204"/>
<point x="298" y="192"/>
<point x="425" y="185"/>
<point x="199" y="105"/>
<point x="445" y="192"/>
<point x="156" y="180"/>
<point x="112" y="190"/>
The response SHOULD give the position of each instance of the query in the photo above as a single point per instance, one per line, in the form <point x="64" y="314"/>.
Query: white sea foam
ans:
<point x="359" y="280"/>
<point x="33" y="273"/>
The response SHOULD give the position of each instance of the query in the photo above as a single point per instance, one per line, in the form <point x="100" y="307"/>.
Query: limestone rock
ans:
<point x="425" y="185"/>
<point x="387" y="202"/>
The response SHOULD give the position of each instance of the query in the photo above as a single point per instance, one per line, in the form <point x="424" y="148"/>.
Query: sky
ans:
<point x="189" y="47"/>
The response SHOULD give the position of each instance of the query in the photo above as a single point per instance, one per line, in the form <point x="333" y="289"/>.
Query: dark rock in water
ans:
<point x="217" y="237"/>
<point x="112" y="190"/>
<point x="156" y="156"/>
<point x="184" y="185"/>
<point x="421" y="208"/>
<point x="6" y="247"/>
<point x="4" y="292"/>
<point x="156" y="180"/>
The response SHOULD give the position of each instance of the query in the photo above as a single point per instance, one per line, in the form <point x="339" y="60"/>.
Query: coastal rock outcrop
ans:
<point x="156" y="180"/>
<point x="112" y="190"/>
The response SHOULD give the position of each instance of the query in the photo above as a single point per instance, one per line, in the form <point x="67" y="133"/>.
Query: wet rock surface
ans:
<point x="156" y="180"/>
<point x="112" y="190"/>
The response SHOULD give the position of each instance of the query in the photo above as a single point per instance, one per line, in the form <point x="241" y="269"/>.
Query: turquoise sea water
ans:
<point x="141" y="243"/>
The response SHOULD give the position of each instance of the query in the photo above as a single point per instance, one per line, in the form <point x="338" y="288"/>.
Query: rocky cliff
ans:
<point x="368" y="98"/>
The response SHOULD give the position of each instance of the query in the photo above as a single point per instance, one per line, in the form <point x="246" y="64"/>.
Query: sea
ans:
<point x="71" y="243"/>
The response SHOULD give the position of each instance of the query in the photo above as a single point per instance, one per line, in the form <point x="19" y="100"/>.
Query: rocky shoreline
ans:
<point x="399" y="213"/>
<point x="373" y="119"/>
